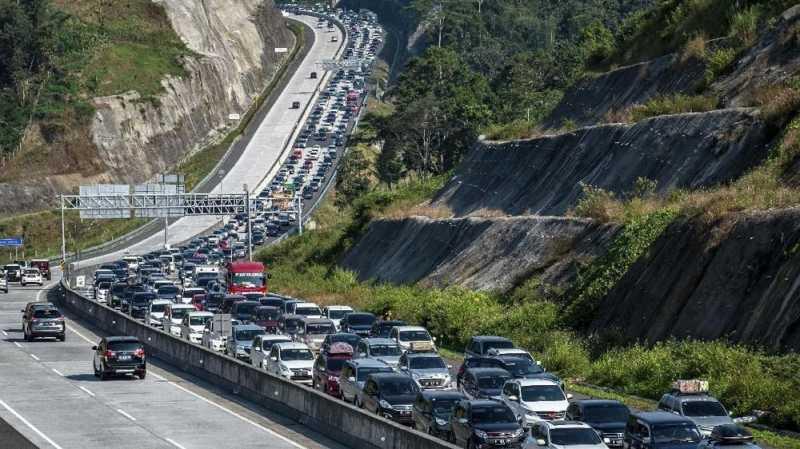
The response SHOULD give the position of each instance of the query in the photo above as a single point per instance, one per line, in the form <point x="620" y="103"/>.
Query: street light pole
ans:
<point x="300" y="214"/>
<point x="249" y="230"/>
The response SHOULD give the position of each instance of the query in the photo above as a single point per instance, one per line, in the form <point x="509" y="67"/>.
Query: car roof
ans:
<point x="483" y="403"/>
<point x="247" y="327"/>
<point x="379" y="341"/>
<point x="488" y="371"/>
<point x="584" y="402"/>
<point x="339" y="308"/>
<point x="566" y="423"/>
<point x="199" y="313"/>
<point x="278" y="337"/>
<point x="368" y="363"/>
<point x="291" y="345"/>
<point x="306" y="304"/>
<point x="442" y="394"/>
<point x="421" y="355"/>
<point x="181" y="306"/>
<point x="161" y="301"/>
<point x="122" y="339"/>
<point x="531" y="382"/>
<point x="694" y="397"/>
<point x="308" y="320"/>
<point x="659" y="417"/>
<point x="483" y="338"/>
<point x="410" y="328"/>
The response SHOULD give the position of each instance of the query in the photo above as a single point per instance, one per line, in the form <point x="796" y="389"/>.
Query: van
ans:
<point x="660" y="430"/>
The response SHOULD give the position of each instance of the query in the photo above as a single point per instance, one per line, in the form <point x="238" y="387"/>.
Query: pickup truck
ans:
<point x="193" y="324"/>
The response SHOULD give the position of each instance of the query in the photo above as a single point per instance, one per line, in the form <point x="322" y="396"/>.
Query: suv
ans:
<point x="607" y="417"/>
<point x="389" y="395"/>
<point x="480" y="345"/>
<point x="432" y="410"/>
<point x="354" y="374"/>
<point x="119" y="355"/>
<point x="336" y="313"/>
<point x="485" y="424"/>
<point x="31" y="276"/>
<point x="535" y="400"/>
<point x="428" y="370"/>
<point x="262" y="344"/>
<point x="293" y="361"/>
<point x="565" y="434"/>
<point x="240" y="342"/>
<point x="358" y="323"/>
<point x="660" y="430"/>
<point x="486" y="383"/>
<point x="13" y="272"/>
<point x="704" y="410"/>
<point x="414" y="338"/>
<point x="524" y="368"/>
<point x="42" y="320"/>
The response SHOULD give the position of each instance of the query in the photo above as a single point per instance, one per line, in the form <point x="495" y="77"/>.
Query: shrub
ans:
<point x="674" y="104"/>
<point x="597" y="204"/>
<point x="695" y="49"/>
<point x="718" y="62"/>
<point x="744" y="26"/>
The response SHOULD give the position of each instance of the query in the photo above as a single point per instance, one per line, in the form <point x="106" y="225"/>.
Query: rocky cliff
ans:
<point x="544" y="175"/>
<point x="492" y="254"/>
<point x="738" y="278"/>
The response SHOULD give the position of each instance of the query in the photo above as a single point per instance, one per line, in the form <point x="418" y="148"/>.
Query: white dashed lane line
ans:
<point x="90" y="393"/>
<point x="34" y="357"/>
<point x="125" y="414"/>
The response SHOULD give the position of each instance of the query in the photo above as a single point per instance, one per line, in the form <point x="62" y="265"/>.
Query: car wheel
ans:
<point x="62" y="337"/>
<point x="94" y="368"/>
<point x="142" y="375"/>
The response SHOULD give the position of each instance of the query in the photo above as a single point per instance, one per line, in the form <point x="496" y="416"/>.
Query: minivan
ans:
<point x="660" y="430"/>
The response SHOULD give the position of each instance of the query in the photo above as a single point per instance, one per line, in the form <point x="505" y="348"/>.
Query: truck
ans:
<point x="44" y="267"/>
<point x="245" y="277"/>
<point x="216" y="332"/>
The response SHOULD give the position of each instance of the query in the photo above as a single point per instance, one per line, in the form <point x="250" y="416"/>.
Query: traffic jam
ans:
<point x="207" y="293"/>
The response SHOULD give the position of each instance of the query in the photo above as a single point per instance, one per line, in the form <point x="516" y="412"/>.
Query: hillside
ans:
<point x="132" y="88"/>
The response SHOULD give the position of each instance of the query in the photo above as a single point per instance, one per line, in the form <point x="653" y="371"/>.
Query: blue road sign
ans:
<point x="11" y="241"/>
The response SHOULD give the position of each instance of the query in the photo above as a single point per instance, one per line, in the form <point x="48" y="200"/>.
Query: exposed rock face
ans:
<point x="234" y="41"/>
<point x="737" y="279"/>
<point x="493" y="254"/>
<point x="543" y="175"/>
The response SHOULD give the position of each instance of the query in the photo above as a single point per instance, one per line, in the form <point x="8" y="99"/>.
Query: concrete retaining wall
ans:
<point x="337" y="420"/>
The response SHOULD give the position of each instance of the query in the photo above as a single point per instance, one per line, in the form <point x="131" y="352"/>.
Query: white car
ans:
<point x="336" y="313"/>
<point x="511" y="352"/>
<point x="534" y="400"/>
<point x="156" y="313"/>
<point x="31" y="276"/>
<point x="173" y="317"/>
<point x="193" y="325"/>
<point x="3" y="282"/>
<point x="565" y="435"/>
<point x="292" y="361"/>
<point x="308" y="310"/>
<point x="413" y="338"/>
<point x="101" y="292"/>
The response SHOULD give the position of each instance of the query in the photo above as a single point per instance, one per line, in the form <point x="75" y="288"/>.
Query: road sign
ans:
<point x="234" y="116"/>
<point x="11" y="241"/>
<point x="80" y="281"/>
<point x="281" y="50"/>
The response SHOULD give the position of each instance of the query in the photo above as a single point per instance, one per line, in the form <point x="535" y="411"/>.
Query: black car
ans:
<point x="485" y="424"/>
<point x="607" y="417"/>
<point x="243" y="310"/>
<point x="480" y="345"/>
<point x="432" y="410"/>
<point x="484" y="382"/>
<point x="381" y="328"/>
<point x="119" y="355"/>
<point x="522" y="368"/>
<point x="330" y="339"/>
<point x="140" y="304"/>
<point x="128" y="296"/>
<point x="359" y="323"/>
<point x="390" y="395"/>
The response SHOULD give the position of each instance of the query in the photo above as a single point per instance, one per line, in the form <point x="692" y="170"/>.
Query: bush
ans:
<point x="674" y="104"/>
<point x="718" y="62"/>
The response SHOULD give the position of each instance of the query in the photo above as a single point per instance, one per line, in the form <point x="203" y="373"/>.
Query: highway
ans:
<point x="264" y="149"/>
<point x="49" y="394"/>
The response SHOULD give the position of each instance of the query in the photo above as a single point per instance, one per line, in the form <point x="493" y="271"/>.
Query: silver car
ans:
<point x="428" y="370"/>
<point x="354" y="374"/>
<point x="383" y="349"/>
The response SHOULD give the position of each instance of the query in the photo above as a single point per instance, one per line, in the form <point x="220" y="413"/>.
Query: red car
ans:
<point x="329" y="366"/>
<point x="199" y="302"/>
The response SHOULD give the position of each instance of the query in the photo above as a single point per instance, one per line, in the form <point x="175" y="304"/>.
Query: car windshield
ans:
<point x="142" y="299"/>
<point x="180" y="312"/>
<point x="703" y="408"/>
<point x="296" y="354"/>
<point x="168" y="290"/>
<point x="398" y="387"/>
<point x="268" y="314"/>
<point x="360" y="319"/>
<point x="679" y="433"/>
<point x="31" y="272"/>
<point x="443" y="407"/>
<point x="350" y="339"/>
<point x="414" y="336"/>
<point x="46" y="313"/>
<point x="246" y="308"/>
<point x="127" y="346"/>
<point x="335" y="364"/>
<point x="426" y="363"/>
<point x="307" y="311"/>
<point x="337" y="314"/>
<point x="605" y="413"/>
<point x="384" y="350"/>
<point x="320" y="329"/>
<point x="492" y="382"/>
<point x="539" y="393"/>
<point x="492" y="415"/>
<point x="267" y="344"/>
<point x="521" y="367"/>
<point x="247" y="334"/>
<point x="574" y="436"/>
<point x="499" y="344"/>
<point x="158" y="308"/>
<point x="364" y="372"/>
<point x="248" y="279"/>
<point x="104" y="286"/>
<point x="198" y="320"/>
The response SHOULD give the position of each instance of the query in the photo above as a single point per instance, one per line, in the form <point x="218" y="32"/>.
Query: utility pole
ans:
<point x="249" y="230"/>
<point x="166" y="225"/>
<point x="300" y="214"/>
<point x="63" y="235"/>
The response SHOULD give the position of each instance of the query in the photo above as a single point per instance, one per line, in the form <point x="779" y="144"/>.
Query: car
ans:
<point x="607" y="417"/>
<point x="524" y="368"/>
<point x="171" y="292"/>
<point x="173" y="317"/>
<point x="119" y="355"/>
<point x="729" y="436"/>
<point x="695" y="404"/>
<point x="511" y="352"/>
<point x="660" y="430"/>
<point x="244" y="310"/>
<point x="3" y="282"/>
<point x="413" y="338"/>
<point x="565" y="434"/>
<point x="295" y="105"/>
<point x="382" y="328"/>
<point x="267" y="317"/>
<point x="239" y="343"/>
<point x="432" y="410"/>
<point x="193" y="325"/>
<point x="383" y="349"/>
<point x="262" y="345"/>
<point x="481" y="344"/>
<point x="390" y="395"/>
<point x="13" y="272"/>
<point x="428" y="370"/>
<point x="140" y="305"/>
<point x="354" y="374"/>
<point x="336" y="313"/>
<point x="308" y="310"/>
<point x="101" y="292"/>
<point x="351" y="339"/>
<point x="44" y="267"/>
<point x="43" y="320"/>
<point x="289" y="325"/>
<point x="533" y="400"/>
<point x="156" y="312"/>
<point x="313" y="75"/>
<point x="328" y="368"/>
<point x="293" y="361"/>
<point x="31" y="276"/>
<point x="358" y="323"/>
<point x="479" y="383"/>
<point x="313" y="331"/>
<point x="485" y="423"/>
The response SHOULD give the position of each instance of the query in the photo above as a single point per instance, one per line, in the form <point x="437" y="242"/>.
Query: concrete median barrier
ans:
<point x="340" y="421"/>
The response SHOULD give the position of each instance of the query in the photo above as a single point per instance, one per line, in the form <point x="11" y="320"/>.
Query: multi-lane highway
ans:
<point x="49" y="394"/>
<point x="265" y="147"/>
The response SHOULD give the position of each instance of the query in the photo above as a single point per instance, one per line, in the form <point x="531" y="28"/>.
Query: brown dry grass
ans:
<point x="695" y="49"/>
<point x="420" y="210"/>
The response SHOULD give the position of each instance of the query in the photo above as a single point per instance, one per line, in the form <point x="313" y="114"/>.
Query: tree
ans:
<point x="354" y="176"/>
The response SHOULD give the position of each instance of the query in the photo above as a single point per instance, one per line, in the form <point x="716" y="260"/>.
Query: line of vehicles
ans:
<point x="33" y="272"/>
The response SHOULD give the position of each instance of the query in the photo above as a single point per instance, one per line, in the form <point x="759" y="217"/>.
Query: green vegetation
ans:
<point x="673" y="104"/>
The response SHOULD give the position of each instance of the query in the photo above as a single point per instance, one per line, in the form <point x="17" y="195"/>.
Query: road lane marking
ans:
<point x="5" y="333"/>
<point x="31" y="426"/>
<point x="57" y="372"/>
<point x="123" y="413"/>
<point x="34" y="357"/>
<point x="172" y="442"/>
<point x="16" y="343"/>
<point x="91" y="394"/>
<point x="80" y="334"/>
<point x="230" y="412"/>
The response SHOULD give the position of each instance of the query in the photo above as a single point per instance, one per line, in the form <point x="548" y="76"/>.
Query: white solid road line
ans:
<point x="31" y="426"/>
<point x="172" y="442"/>
<point x="57" y="372"/>
<point x="231" y="412"/>
<point x="123" y="413"/>
<point x="34" y="357"/>
<point x="90" y="393"/>
<point x="80" y="335"/>
<point x="16" y="343"/>
<point x="5" y="333"/>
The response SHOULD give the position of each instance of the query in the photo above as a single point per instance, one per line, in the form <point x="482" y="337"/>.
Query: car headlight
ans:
<point x="440" y="422"/>
<point x="285" y="369"/>
<point x="481" y="434"/>
<point x="606" y="440"/>
<point x="518" y="433"/>
<point x="385" y="404"/>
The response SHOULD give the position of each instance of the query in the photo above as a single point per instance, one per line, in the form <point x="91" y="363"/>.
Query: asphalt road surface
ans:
<point x="49" y="394"/>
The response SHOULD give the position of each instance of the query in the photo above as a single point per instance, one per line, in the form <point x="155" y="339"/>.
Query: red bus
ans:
<point x="246" y="277"/>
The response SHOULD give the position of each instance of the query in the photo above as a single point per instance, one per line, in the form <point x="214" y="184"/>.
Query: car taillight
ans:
<point x="109" y="354"/>
<point x="139" y="352"/>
